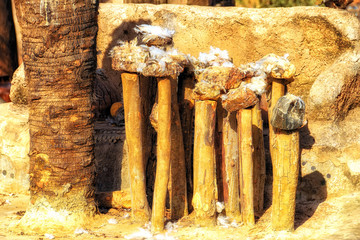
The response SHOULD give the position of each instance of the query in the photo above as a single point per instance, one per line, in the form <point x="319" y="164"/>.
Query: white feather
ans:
<point x="158" y="31"/>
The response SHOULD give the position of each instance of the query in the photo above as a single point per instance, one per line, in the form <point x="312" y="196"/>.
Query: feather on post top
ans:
<point x="155" y="35"/>
<point x="148" y="61"/>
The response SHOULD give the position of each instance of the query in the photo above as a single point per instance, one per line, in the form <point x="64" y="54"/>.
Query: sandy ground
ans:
<point x="335" y="219"/>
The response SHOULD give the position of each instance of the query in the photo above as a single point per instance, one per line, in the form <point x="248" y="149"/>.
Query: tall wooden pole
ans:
<point x="244" y="118"/>
<point x="134" y="137"/>
<point x="163" y="154"/>
<point x="285" y="150"/>
<point x="205" y="188"/>
<point x="177" y="181"/>
<point x="231" y="158"/>
<point x="259" y="159"/>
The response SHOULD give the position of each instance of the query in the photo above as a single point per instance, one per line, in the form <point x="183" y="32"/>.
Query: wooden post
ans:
<point x="244" y="118"/>
<point x="163" y="154"/>
<point x="205" y="189"/>
<point x="259" y="159"/>
<point x="186" y="110"/>
<point x="177" y="182"/>
<point x="231" y="158"/>
<point x="133" y="128"/>
<point x="285" y="150"/>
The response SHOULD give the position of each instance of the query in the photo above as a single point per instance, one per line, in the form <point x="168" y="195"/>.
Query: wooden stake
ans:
<point x="259" y="159"/>
<point x="163" y="154"/>
<point x="177" y="182"/>
<point x="244" y="118"/>
<point x="231" y="158"/>
<point x="133" y="128"/>
<point x="186" y="109"/>
<point x="285" y="150"/>
<point x="205" y="189"/>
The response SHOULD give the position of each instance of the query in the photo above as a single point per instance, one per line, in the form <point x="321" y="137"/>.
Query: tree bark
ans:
<point x="134" y="136"/>
<point x="285" y="150"/>
<point x="59" y="42"/>
<point x="259" y="159"/>
<point x="246" y="172"/>
<point x="205" y="189"/>
<point x="231" y="158"/>
<point x="163" y="154"/>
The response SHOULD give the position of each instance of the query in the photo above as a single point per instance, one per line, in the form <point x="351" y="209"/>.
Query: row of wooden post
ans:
<point x="245" y="173"/>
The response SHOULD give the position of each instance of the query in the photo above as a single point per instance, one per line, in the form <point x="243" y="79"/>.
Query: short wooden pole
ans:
<point x="285" y="150"/>
<point x="163" y="154"/>
<point x="205" y="188"/>
<point x="133" y="129"/>
<point x="244" y="118"/>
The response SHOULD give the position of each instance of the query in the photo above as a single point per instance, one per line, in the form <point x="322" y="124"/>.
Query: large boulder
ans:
<point x="322" y="43"/>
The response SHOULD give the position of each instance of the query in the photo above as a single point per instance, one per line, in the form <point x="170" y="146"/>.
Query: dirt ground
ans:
<point x="334" y="219"/>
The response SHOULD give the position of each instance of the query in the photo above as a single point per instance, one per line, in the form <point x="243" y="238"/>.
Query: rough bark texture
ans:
<point x="259" y="159"/>
<point x="60" y="62"/>
<point x="177" y="181"/>
<point x="205" y="189"/>
<point x="134" y="136"/>
<point x="230" y="153"/>
<point x="246" y="148"/>
<point x="163" y="154"/>
<point x="285" y="150"/>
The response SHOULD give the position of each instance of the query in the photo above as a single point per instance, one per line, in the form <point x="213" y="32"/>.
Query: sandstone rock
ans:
<point x="335" y="90"/>
<point x="239" y="98"/>
<point x="14" y="149"/>
<point x="18" y="91"/>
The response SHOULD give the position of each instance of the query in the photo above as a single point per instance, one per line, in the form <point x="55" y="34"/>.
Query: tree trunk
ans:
<point x="134" y="137"/>
<point x="59" y="42"/>
<point x="205" y="189"/>
<point x="244" y="118"/>
<point x="285" y="150"/>
<point x="259" y="159"/>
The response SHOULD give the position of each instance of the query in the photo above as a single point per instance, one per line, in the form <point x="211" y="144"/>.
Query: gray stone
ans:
<point x="288" y="113"/>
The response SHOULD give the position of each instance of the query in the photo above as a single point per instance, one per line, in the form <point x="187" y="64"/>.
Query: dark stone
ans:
<point x="328" y="175"/>
<point x="313" y="168"/>
<point x="288" y="113"/>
